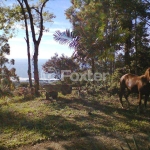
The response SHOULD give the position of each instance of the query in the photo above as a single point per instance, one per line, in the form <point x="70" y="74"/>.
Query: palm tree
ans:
<point x="72" y="40"/>
<point x="80" y="52"/>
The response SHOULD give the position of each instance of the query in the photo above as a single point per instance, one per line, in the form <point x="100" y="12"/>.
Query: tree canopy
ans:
<point x="102" y="30"/>
<point x="58" y="63"/>
<point x="7" y="73"/>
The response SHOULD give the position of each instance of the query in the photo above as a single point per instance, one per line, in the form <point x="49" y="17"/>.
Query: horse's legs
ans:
<point x="120" y="95"/>
<point x="126" y="97"/>
<point x="145" y="101"/>
<point x="140" y="97"/>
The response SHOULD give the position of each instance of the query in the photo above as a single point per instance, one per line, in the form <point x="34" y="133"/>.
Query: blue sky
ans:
<point x="47" y="46"/>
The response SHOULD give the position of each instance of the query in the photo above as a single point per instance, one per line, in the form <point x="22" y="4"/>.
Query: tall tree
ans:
<point x="23" y="12"/>
<point x="7" y="19"/>
<point x="103" y="28"/>
<point x="37" y="16"/>
<point x="86" y="19"/>
<point x="128" y="14"/>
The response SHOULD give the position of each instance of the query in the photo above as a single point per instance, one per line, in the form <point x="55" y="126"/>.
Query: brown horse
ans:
<point x="135" y="84"/>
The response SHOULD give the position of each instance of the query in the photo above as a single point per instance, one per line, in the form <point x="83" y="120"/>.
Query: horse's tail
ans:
<point x="122" y="84"/>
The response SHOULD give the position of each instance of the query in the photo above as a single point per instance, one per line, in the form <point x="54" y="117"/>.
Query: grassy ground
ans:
<point x="72" y="123"/>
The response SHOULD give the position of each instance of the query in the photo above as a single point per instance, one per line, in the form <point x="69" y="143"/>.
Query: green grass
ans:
<point x="24" y="122"/>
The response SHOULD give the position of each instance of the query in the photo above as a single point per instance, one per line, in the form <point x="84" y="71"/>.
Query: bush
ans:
<point x="24" y="84"/>
<point x="112" y="81"/>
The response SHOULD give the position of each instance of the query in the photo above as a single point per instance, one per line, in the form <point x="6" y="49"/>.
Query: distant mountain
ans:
<point x="21" y="66"/>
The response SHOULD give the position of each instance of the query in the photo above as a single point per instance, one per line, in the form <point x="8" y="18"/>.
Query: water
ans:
<point x="21" y="66"/>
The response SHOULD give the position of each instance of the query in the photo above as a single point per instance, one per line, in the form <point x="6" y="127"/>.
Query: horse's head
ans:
<point x="147" y="74"/>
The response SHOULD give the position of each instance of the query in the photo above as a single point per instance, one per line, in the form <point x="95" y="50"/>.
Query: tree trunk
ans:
<point x="28" y="44"/>
<point x="36" y="38"/>
<point x="29" y="61"/>
<point x="93" y="69"/>
<point x="136" y="46"/>
<point x="128" y="43"/>
<point x="29" y="70"/>
<point x="36" y="72"/>
<point x="127" y="49"/>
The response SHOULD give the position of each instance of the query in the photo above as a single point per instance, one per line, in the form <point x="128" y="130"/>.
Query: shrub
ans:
<point x="112" y="81"/>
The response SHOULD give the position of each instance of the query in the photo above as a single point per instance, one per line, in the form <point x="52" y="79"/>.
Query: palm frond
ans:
<point x="66" y="37"/>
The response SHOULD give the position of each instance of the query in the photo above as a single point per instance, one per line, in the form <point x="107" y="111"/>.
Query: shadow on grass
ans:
<point x="3" y="147"/>
<point x="106" y="106"/>
<point x="48" y="148"/>
<point x="59" y="128"/>
<point x="86" y="143"/>
<point x="21" y="99"/>
<point x="51" y="127"/>
<point x="129" y="117"/>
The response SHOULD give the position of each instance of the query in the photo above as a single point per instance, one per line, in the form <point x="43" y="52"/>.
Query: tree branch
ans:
<point x="41" y="21"/>
<point x="31" y="21"/>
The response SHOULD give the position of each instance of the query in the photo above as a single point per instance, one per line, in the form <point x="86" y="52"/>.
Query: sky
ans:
<point x="48" y="45"/>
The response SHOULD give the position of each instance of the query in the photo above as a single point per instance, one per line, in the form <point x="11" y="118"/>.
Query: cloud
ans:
<point x="53" y="30"/>
<point x="16" y="40"/>
<point x="48" y="42"/>
<point x="50" y="51"/>
<point x="18" y="51"/>
<point x="62" y="23"/>
<point x="47" y="48"/>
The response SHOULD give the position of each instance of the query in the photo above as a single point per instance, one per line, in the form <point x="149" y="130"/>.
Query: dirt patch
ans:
<point x="110" y="141"/>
